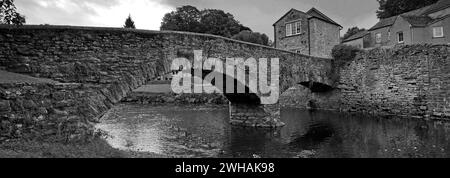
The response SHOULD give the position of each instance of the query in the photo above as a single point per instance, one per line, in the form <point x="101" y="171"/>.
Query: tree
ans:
<point x="8" y="13"/>
<point x="186" y="18"/>
<point x="389" y="8"/>
<point x="352" y="31"/>
<point x="217" y="22"/>
<point x="129" y="23"/>
<point x="252" y="37"/>
<point x="210" y="21"/>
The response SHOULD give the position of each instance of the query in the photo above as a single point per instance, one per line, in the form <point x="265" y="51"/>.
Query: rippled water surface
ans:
<point x="204" y="131"/>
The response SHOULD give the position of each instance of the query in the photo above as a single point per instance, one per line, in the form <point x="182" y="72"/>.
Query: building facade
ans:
<point x="360" y="40"/>
<point x="427" y="25"/>
<point x="311" y="33"/>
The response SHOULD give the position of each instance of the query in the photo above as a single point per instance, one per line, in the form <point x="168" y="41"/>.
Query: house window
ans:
<point x="288" y="29"/>
<point x="298" y="28"/>
<point x="438" y="32"/>
<point x="400" y="37"/>
<point x="378" y="37"/>
<point x="293" y="28"/>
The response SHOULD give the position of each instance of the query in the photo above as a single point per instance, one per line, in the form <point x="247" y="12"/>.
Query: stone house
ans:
<point x="311" y="33"/>
<point x="430" y="24"/>
<point x="360" y="40"/>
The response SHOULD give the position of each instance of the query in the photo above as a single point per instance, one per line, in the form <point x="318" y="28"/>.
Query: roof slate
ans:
<point x="384" y="23"/>
<point x="311" y="13"/>
<point x="417" y="21"/>
<point x="356" y="36"/>
<point x="442" y="4"/>
<point x="321" y="16"/>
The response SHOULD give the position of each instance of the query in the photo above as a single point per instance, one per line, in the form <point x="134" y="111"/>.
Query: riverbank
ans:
<point x="97" y="148"/>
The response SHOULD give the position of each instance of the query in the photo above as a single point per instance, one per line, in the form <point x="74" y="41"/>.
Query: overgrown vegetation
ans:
<point x="342" y="54"/>
<point x="252" y="37"/>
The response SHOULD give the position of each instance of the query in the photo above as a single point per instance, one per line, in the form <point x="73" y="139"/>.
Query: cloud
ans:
<point x="147" y="14"/>
<point x="259" y="15"/>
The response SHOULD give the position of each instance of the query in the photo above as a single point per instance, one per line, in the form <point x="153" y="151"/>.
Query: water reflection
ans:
<point x="193" y="131"/>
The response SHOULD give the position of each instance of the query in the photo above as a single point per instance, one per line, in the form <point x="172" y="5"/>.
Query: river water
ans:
<point x="204" y="131"/>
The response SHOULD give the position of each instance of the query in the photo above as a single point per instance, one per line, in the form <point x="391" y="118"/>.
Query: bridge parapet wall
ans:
<point x="110" y="62"/>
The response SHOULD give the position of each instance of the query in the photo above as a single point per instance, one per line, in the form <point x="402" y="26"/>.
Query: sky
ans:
<point x="259" y="15"/>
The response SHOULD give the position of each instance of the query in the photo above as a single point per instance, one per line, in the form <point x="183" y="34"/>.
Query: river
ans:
<point x="204" y="131"/>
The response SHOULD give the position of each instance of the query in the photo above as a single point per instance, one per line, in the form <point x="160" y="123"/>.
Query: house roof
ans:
<point x="409" y="17"/>
<point x="417" y="21"/>
<point x="418" y="12"/>
<point x="439" y="19"/>
<point x="313" y="13"/>
<point x="317" y="14"/>
<point x="384" y="23"/>
<point x="358" y="35"/>
<point x="442" y="4"/>
<point x="286" y="15"/>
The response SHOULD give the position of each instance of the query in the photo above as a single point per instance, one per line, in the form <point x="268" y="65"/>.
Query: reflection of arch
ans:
<point x="316" y="134"/>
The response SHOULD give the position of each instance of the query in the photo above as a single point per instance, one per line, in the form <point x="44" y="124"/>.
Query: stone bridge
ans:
<point x="96" y="67"/>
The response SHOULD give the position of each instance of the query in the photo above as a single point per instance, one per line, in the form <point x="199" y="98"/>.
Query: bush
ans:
<point x="344" y="53"/>
<point x="252" y="37"/>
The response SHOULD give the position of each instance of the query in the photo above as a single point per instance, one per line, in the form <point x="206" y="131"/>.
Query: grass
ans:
<point x="98" y="148"/>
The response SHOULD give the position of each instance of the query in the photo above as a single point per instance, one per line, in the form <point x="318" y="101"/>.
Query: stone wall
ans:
<point x="101" y="65"/>
<point x="410" y="81"/>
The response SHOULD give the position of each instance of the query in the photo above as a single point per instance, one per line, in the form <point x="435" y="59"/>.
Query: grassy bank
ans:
<point x="97" y="148"/>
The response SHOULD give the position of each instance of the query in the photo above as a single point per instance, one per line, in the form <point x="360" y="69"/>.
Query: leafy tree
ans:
<point x="129" y="23"/>
<point x="352" y="31"/>
<point x="252" y="37"/>
<point x="389" y="8"/>
<point x="210" y="21"/>
<point x="8" y="14"/>
<point x="186" y="18"/>
<point x="217" y="22"/>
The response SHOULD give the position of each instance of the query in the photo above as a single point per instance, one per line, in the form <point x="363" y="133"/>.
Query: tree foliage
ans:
<point x="389" y="8"/>
<point x="252" y="37"/>
<point x="210" y="21"/>
<point x="129" y="23"/>
<point x="8" y="13"/>
<point x="352" y="31"/>
<point x="186" y="18"/>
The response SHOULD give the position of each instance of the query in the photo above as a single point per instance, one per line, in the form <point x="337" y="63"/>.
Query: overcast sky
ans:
<point x="259" y="15"/>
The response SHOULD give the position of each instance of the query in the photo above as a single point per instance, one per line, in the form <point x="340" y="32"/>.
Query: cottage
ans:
<point x="311" y="33"/>
<point x="430" y="24"/>
<point x="360" y="40"/>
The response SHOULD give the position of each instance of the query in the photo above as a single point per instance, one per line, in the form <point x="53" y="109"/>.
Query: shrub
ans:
<point x="344" y="53"/>
<point x="252" y="37"/>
